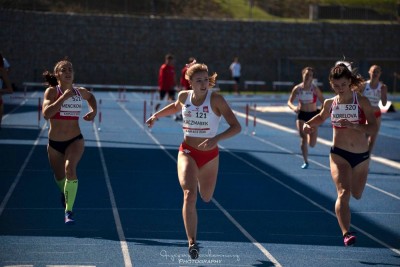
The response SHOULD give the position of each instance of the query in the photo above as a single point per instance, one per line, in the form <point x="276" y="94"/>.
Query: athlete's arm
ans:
<point x="291" y="100"/>
<point x="91" y="100"/>
<point x="318" y="119"/>
<point x="50" y="106"/>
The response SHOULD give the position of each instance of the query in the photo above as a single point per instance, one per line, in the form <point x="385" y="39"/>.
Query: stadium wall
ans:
<point x="129" y="50"/>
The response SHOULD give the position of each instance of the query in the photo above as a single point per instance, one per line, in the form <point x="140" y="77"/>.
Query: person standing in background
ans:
<point x="167" y="80"/>
<point x="236" y="69"/>
<point x="375" y="91"/>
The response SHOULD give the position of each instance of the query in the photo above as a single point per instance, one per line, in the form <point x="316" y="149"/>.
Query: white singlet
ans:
<point x="373" y="94"/>
<point x="199" y="121"/>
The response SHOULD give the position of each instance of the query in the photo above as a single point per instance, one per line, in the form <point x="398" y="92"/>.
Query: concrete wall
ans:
<point x="129" y="50"/>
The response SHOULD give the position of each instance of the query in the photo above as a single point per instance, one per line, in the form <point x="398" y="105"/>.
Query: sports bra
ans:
<point x="373" y="94"/>
<point x="70" y="108"/>
<point x="199" y="121"/>
<point x="307" y="96"/>
<point x="351" y="112"/>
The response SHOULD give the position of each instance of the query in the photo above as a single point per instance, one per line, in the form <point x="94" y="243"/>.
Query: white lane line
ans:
<point x="254" y="242"/>
<point x="21" y="170"/>
<point x="384" y="161"/>
<point x="277" y="180"/>
<point x="117" y="219"/>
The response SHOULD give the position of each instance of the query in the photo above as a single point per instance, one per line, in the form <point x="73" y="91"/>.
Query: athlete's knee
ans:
<point x="357" y="195"/>
<point x="70" y="169"/>
<point x="190" y="196"/>
<point x="206" y="197"/>
<point x="343" y="195"/>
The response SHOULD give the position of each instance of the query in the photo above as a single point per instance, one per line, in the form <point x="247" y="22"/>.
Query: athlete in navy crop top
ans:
<point x="198" y="157"/>
<point x="349" y="156"/>
<point x="61" y="107"/>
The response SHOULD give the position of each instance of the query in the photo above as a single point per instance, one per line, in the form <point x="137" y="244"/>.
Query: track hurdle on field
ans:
<point x="248" y="118"/>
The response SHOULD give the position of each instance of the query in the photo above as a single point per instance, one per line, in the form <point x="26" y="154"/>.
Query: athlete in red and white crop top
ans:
<point x="71" y="108"/>
<point x="307" y="96"/>
<point x="351" y="112"/>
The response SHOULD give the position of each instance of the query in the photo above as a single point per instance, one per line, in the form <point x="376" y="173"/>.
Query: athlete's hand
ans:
<point x="150" y="121"/>
<point x="89" y="116"/>
<point x="308" y="128"/>
<point x="346" y="123"/>
<point x="68" y="93"/>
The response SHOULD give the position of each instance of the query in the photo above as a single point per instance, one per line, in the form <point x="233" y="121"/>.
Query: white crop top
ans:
<point x="199" y="121"/>
<point x="373" y="94"/>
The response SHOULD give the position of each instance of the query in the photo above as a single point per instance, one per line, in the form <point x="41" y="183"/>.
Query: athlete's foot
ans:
<point x="194" y="251"/>
<point x="305" y="165"/>
<point x="349" y="239"/>
<point x="69" y="218"/>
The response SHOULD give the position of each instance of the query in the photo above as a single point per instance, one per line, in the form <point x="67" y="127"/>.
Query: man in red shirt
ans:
<point x="166" y="78"/>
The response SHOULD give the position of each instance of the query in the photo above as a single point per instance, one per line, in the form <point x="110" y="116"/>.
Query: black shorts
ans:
<point x="352" y="158"/>
<point x="61" y="146"/>
<point x="171" y="94"/>
<point x="306" y="116"/>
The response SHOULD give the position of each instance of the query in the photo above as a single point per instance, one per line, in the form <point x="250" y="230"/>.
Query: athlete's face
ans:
<point x="308" y="75"/>
<point x="374" y="72"/>
<point x="341" y="86"/>
<point x="200" y="81"/>
<point x="65" y="73"/>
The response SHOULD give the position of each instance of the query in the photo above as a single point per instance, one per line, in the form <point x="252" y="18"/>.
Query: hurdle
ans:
<point x="248" y="118"/>
<point x="255" y="83"/>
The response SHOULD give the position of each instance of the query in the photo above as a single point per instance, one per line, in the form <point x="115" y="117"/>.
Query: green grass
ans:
<point x="240" y="9"/>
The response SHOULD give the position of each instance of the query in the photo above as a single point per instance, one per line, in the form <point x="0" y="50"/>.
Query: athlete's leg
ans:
<point x="73" y="154"/>
<point x="57" y="164"/>
<point x="208" y="179"/>
<point x="359" y="179"/>
<point x="303" y="140"/>
<point x="342" y="174"/>
<point x="187" y="174"/>
<point x="312" y="138"/>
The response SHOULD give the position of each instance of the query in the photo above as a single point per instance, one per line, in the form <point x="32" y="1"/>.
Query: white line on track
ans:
<point x="21" y="170"/>
<point x="117" y="219"/>
<point x="226" y="213"/>
<point x="312" y="201"/>
<point x="381" y="160"/>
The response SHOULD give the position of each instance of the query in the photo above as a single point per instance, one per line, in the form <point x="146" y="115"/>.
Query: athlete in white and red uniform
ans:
<point x="352" y="118"/>
<point x="307" y="94"/>
<point x="62" y="106"/>
<point x="198" y="157"/>
<point x="375" y="91"/>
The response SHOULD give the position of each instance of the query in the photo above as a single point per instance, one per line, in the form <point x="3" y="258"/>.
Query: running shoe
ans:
<point x="194" y="251"/>
<point x="349" y="239"/>
<point x="68" y="218"/>
<point x="305" y="165"/>
<point x="62" y="199"/>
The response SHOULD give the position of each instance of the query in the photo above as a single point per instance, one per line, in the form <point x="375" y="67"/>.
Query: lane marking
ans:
<point x="273" y="178"/>
<point x="117" y="219"/>
<point x="381" y="160"/>
<point x="21" y="170"/>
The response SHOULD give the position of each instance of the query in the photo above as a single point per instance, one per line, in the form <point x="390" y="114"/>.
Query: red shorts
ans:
<point x="200" y="157"/>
